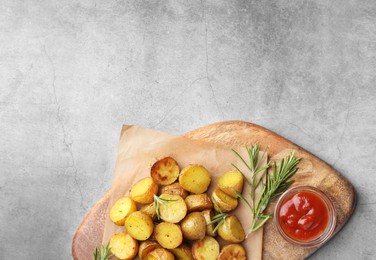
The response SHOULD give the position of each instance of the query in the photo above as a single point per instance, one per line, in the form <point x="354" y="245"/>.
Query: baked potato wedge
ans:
<point x="231" y="182"/>
<point x="198" y="202"/>
<point x="195" y="178"/>
<point x="165" y="171"/>
<point x="193" y="226"/>
<point x="144" y="190"/>
<point x="123" y="246"/>
<point x="173" y="210"/>
<point x="232" y="230"/>
<point x="146" y="247"/>
<point x="139" y="225"/>
<point x="222" y="201"/>
<point x="149" y="210"/>
<point x="174" y="189"/>
<point x="205" y="249"/>
<point x="121" y="209"/>
<point x="168" y="235"/>
<point x="160" y="254"/>
<point x="182" y="252"/>
<point x="232" y="252"/>
<point x="208" y="215"/>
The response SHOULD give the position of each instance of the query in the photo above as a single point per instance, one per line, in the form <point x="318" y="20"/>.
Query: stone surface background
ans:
<point x="72" y="72"/>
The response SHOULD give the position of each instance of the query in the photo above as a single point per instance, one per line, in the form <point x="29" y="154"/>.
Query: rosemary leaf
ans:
<point x="219" y="224"/>
<point x="259" y="224"/>
<point x="241" y="173"/>
<point x="102" y="253"/>
<point x="249" y="167"/>
<point x="275" y="183"/>
<point x="220" y="218"/>
<point x="244" y="199"/>
<point x="157" y="201"/>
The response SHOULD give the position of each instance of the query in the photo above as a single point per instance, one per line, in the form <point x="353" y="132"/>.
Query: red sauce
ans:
<point x="304" y="216"/>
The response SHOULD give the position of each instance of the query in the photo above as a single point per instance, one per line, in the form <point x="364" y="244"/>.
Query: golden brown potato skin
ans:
<point x="231" y="182"/>
<point x="195" y="178"/>
<point x="174" y="189"/>
<point x="160" y="254"/>
<point x="165" y="171"/>
<point x="144" y="190"/>
<point x="198" y="202"/>
<point x="208" y="215"/>
<point x="225" y="202"/>
<point x="149" y="210"/>
<point x="193" y="226"/>
<point x="232" y="230"/>
<point x="232" y="252"/>
<point x="123" y="246"/>
<point x="146" y="247"/>
<point x="182" y="252"/>
<point x="205" y="249"/>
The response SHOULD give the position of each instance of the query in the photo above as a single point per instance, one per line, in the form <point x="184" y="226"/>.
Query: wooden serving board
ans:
<point x="313" y="171"/>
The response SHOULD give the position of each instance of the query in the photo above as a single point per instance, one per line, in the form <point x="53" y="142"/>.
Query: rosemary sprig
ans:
<point x="102" y="253"/>
<point x="157" y="201"/>
<point x="219" y="218"/>
<point x="254" y="167"/>
<point x="276" y="182"/>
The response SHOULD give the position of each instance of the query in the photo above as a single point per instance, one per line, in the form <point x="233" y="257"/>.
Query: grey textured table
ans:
<point x="73" y="72"/>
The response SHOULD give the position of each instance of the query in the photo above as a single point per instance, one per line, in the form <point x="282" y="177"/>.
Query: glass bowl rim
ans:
<point x="326" y="235"/>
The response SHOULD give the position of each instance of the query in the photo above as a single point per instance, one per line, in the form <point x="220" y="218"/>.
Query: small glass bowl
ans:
<point x="328" y="232"/>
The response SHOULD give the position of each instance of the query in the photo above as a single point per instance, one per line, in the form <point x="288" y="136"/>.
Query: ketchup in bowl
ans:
<point x="305" y="215"/>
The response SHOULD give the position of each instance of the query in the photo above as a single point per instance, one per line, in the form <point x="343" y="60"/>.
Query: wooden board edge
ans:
<point x="277" y="136"/>
<point x="353" y="194"/>
<point x="106" y="197"/>
<point x="103" y="200"/>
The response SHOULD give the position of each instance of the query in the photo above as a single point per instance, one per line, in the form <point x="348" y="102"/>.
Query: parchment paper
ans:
<point x="140" y="147"/>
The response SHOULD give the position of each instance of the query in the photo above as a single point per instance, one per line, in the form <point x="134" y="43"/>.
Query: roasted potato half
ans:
<point x="195" y="179"/>
<point x="208" y="215"/>
<point x="232" y="252"/>
<point x="144" y="190"/>
<point x="198" y="202"/>
<point x="165" y="171"/>
<point x="149" y="210"/>
<point x="121" y="209"/>
<point x="160" y="254"/>
<point x="232" y="230"/>
<point x="174" y="189"/>
<point x="174" y="209"/>
<point x="139" y="225"/>
<point x="206" y="249"/>
<point x="146" y="247"/>
<point x="123" y="246"/>
<point x="193" y="226"/>
<point x="182" y="252"/>
<point x="168" y="235"/>
<point x="231" y="182"/>
<point x="222" y="201"/>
